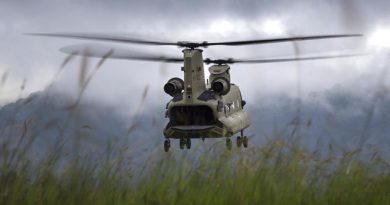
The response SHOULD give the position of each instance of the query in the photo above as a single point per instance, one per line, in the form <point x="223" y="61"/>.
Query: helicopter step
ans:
<point x="209" y="131"/>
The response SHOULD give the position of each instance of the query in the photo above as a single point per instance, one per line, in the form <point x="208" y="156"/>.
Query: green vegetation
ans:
<point x="276" y="173"/>
<point x="273" y="174"/>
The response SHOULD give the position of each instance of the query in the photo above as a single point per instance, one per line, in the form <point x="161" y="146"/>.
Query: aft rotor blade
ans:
<point x="100" y="51"/>
<point x="278" y="40"/>
<point x="104" y="37"/>
<point x="278" y="60"/>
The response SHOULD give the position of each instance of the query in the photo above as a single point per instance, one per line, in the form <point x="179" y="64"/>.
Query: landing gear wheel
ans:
<point x="228" y="143"/>
<point x="239" y="141"/>
<point x="188" y="143"/>
<point x="245" y="141"/>
<point x="182" y="143"/>
<point x="167" y="145"/>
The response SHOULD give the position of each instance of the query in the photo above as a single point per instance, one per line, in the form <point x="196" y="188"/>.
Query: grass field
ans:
<point x="276" y="173"/>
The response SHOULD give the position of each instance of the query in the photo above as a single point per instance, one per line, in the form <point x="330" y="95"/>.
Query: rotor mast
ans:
<point x="194" y="79"/>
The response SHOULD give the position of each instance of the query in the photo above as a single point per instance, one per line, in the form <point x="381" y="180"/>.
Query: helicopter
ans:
<point x="200" y="108"/>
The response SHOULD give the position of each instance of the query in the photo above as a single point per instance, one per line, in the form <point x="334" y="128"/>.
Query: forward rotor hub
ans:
<point x="192" y="45"/>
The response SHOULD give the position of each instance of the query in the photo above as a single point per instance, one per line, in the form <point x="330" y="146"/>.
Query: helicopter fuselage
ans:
<point x="203" y="110"/>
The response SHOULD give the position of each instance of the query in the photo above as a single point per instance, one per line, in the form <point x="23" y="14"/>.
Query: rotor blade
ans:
<point x="103" y="37"/>
<point x="126" y="39"/>
<point x="278" y="60"/>
<point x="278" y="40"/>
<point x="100" y="51"/>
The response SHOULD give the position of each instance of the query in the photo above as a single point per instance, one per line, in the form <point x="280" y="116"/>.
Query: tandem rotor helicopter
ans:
<point x="198" y="108"/>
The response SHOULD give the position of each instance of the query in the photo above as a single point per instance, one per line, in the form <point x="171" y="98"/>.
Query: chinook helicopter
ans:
<point x="199" y="108"/>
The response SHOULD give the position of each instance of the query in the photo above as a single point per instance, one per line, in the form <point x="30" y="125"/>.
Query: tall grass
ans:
<point x="272" y="174"/>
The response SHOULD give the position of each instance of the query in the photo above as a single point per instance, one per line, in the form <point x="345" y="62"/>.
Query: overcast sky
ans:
<point x="37" y="59"/>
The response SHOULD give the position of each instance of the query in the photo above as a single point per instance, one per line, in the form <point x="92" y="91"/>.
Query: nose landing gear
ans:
<point x="188" y="143"/>
<point x="228" y="143"/>
<point x="167" y="145"/>
<point x="185" y="142"/>
<point x="182" y="143"/>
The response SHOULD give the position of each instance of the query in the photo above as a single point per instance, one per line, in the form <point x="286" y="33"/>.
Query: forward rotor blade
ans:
<point x="278" y="40"/>
<point x="278" y="60"/>
<point x="125" y="39"/>
<point x="104" y="37"/>
<point x="100" y="51"/>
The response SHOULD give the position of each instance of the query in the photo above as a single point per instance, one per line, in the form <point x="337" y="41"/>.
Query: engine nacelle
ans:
<point x="220" y="85"/>
<point x="220" y="79"/>
<point x="174" y="86"/>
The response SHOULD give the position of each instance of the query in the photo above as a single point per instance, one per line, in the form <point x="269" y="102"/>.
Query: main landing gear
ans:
<point x="228" y="143"/>
<point x="242" y="140"/>
<point x="184" y="143"/>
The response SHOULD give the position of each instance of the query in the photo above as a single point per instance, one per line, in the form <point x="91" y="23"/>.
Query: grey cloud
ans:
<point x="37" y="59"/>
